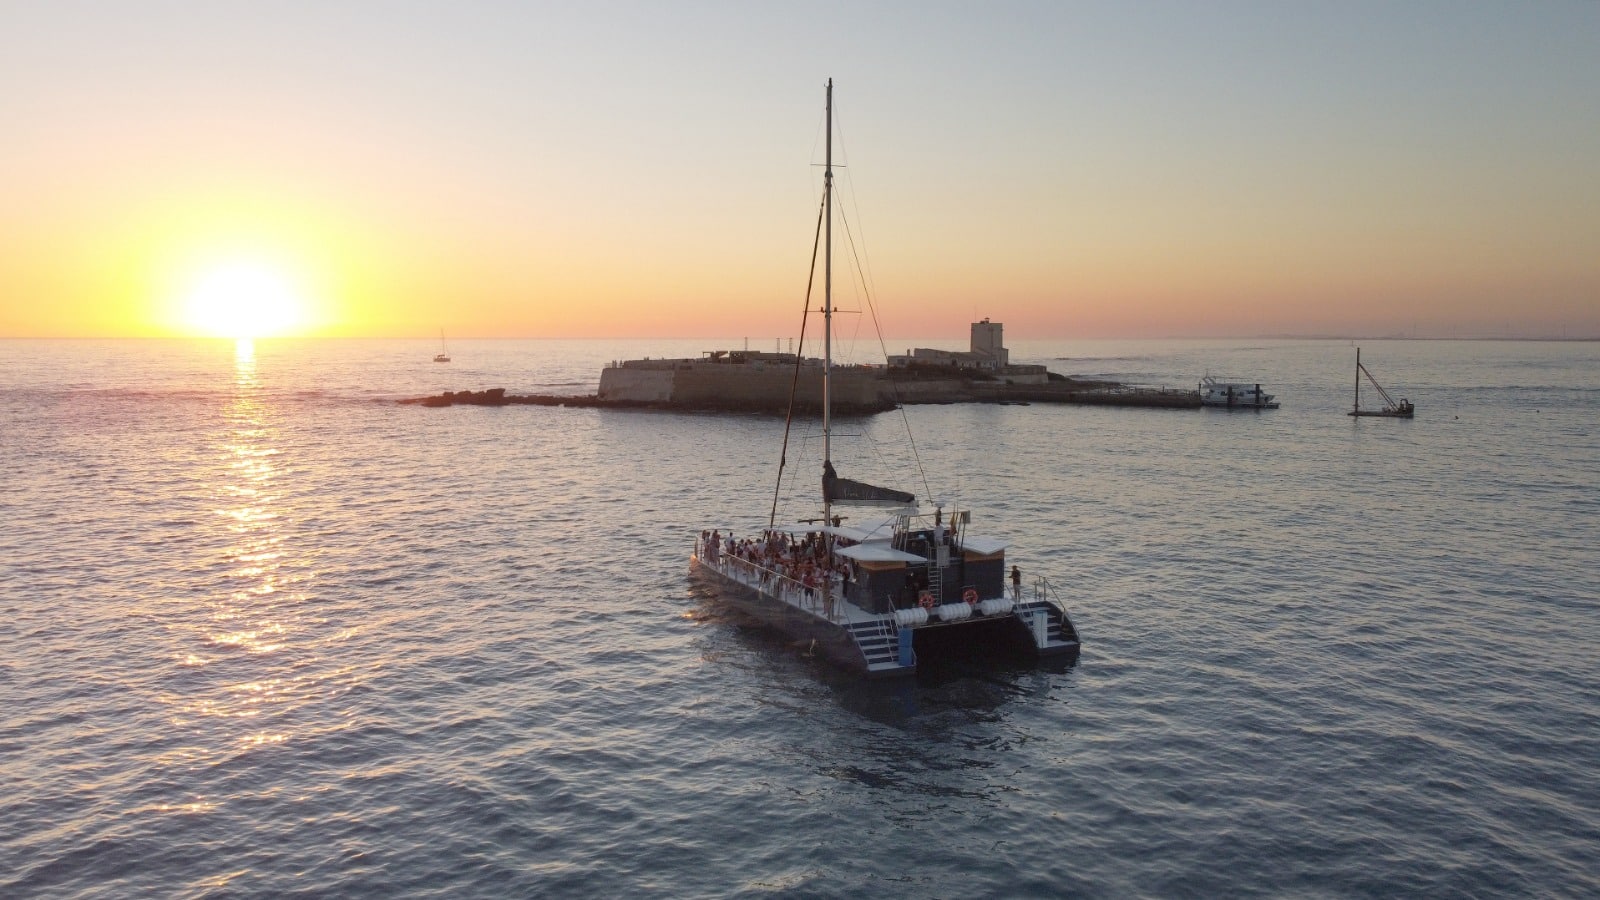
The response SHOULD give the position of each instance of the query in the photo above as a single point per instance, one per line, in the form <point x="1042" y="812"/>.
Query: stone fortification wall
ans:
<point x="767" y="387"/>
<point x="921" y="390"/>
<point x="1024" y="375"/>
<point x="729" y="386"/>
<point x="636" y="384"/>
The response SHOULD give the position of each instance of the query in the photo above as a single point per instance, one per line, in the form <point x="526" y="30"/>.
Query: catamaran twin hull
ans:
<point x="888" y="644"/>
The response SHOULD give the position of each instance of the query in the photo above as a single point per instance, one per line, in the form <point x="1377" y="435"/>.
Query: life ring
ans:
<point x="925" y="600"/>
<point x="971" y="596"/>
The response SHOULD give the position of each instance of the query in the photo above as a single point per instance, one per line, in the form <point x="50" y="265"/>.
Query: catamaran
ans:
<point x="873" y="596"/>
<point x="1392" y="408"/>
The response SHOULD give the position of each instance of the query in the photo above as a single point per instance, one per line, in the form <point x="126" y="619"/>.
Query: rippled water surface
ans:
<point x="264" y="632"/>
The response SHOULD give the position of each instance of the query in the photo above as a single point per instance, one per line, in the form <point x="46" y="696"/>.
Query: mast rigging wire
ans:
<point x="794" y="383"/>
<point x="867" y="291"/>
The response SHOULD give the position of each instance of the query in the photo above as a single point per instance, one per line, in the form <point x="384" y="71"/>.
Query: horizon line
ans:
<point x="724" y="338"/>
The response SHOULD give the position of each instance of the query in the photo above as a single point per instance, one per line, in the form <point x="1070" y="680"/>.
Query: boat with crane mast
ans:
<point x="1392" y="408"/>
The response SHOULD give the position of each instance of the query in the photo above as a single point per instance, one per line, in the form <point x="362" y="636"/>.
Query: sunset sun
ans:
<point x="241" y="299"/>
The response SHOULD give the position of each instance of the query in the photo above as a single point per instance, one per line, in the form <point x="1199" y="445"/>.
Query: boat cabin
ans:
<point x="895" y="571"/>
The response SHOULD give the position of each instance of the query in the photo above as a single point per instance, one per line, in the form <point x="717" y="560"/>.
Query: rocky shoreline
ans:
<point x="499" y="397"/>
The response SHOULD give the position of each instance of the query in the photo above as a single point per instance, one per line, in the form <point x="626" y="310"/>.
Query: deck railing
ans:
<point x="772" y="583"/>
<point x="1044" y="591"/>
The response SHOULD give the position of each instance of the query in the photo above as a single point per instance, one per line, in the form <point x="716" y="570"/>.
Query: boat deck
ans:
<point x="884" y="644"/>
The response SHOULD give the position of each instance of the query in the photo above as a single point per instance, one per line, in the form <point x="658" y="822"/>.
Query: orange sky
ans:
<point x="1091" y="172"/>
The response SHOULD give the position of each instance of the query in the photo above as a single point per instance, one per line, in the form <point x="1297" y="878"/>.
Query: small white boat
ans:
<point x="444" y="352"/>
<point x="1235" y="395"/>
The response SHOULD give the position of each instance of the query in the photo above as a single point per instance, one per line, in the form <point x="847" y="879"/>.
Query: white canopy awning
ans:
<point x="876" y="552"/>
<point x="983" y="545"/>
<point x="861" y="533"/>
<point x="867" y="530"/>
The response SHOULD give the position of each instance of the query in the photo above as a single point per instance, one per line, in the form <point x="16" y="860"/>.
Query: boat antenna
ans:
<point x="827" y="307"/>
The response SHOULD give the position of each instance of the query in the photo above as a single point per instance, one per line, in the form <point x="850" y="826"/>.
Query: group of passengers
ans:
<point x="807" y="562"/>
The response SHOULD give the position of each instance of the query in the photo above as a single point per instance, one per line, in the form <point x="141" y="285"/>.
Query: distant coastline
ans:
<point x="527" y="337"/>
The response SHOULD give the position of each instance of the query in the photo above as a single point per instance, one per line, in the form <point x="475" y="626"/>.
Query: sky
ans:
<point x="621" y="169"/>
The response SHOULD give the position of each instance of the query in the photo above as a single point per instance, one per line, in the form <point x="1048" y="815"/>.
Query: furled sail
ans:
<point x="843" y="490"/>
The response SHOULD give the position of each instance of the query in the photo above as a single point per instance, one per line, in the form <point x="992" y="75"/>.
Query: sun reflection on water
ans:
<point x="250" y="673"/>
<point x="253" y="604"/>
<point x="256" y="555"/>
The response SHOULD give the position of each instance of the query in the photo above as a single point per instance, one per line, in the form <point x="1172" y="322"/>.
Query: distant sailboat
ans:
<point x="1392" y="409"/>
<point x="444" y="352"/>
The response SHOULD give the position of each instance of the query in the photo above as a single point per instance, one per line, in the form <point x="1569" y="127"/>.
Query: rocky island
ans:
<point x="756" y="381"/>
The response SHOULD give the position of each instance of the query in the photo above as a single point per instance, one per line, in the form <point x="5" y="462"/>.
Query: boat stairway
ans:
<point x="1057" y="631"/>
<point x="878" y="643"/>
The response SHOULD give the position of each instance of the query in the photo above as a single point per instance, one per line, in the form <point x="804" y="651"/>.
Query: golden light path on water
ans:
<point x="256" y="662"/>
<point x="255" y="603"/>
<point x="248" y="616"/>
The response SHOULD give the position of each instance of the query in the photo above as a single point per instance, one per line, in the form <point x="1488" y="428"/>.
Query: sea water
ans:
<point x="265" y="632"/>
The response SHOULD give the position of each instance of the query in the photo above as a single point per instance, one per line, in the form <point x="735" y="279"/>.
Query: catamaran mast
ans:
<point x="827" y="308"/>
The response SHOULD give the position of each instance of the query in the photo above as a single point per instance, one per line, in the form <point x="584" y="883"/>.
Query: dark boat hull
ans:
<point x="1037" y="632"/>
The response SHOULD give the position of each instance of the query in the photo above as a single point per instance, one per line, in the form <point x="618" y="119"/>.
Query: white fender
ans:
<point x="994" y="606"/>
<point x="909" y="617"/>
